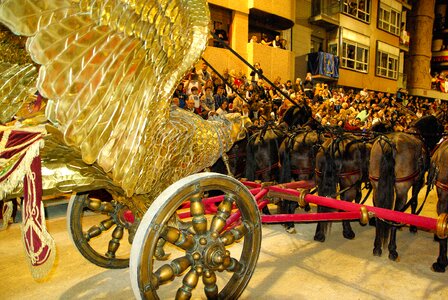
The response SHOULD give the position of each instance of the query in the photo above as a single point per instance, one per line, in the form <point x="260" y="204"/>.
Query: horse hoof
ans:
<point x="372" y="222"/>
<point x="377" y="252"/>
<point x="393" y="256"/>
<point x="307" y="207"/>
<point x="291" y="230"/>
<point x="439" y="268"/>
<point x="319" y="238"/>
<point x="413" y="229"/>
<point x="350" y="235"/>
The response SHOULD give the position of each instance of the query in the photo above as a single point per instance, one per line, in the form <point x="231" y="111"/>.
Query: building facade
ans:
<point x="380" y="44"/>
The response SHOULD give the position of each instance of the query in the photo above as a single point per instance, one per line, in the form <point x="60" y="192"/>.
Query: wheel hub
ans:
<point x="210" y="253"/>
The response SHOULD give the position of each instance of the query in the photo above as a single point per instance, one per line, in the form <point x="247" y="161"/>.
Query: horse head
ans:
<point x="430" y="129"/>
<point x="297" y="115"/>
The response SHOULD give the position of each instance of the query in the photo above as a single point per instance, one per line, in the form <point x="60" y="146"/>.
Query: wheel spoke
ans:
<point x="234" y="234"/>
<point x="188" y="284"/>
<point x="168" y="272"/>
<point x="210" y="287"/>
<point x="160" y="253"/>
<point x="197" y="212"/>
<point x="99" y="206"/>
<point x="96" y="230"/>
<point x="114" y="243"/>
<point x="178" y="238"/>
<point x="223" y="213"/>
<point x="234" y="266"/>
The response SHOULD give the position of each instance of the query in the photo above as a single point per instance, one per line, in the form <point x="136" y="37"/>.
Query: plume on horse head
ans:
<point x="430" y="129"/>
<point x="297" y="115"/>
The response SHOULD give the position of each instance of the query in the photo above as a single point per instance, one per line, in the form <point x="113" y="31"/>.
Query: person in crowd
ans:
<point x="221" y="34"/>
<point x="189" y="105"/>
<point x="175" y="101"/>
<point x="180" y="95"/>
<point x="204" y="74"/>
<point x="255" y="75"/>
<point x="192" y="81"/>
<point x="194" y="96"/>
<point x="308" y="86"/>
<point x="265" y="40"/>
<point x="222" y="110"/>
<point x="207" y="102"/>
<point x="254" y="39"/>
<point x="298" y="85"/>
<point x="276" y="42"/>
<point x="219" y="97"/>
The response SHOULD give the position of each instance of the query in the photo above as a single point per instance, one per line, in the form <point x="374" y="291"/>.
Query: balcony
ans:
<point x="325" y="13"/>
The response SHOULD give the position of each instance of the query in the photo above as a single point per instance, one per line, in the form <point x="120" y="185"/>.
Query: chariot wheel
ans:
<point x="180" y="255"/>
<point x="100" y="230"/>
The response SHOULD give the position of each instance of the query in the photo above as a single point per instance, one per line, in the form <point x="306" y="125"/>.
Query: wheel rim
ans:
<point x="100" y="230"/>
<point x="206" y="261"/>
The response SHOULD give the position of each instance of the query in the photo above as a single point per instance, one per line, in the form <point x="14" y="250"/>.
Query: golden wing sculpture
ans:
<point x="18" y="75"/>
<point x="108" y="68"/>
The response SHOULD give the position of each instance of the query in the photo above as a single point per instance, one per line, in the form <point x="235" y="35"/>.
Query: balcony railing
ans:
<point x="325" y="13"/>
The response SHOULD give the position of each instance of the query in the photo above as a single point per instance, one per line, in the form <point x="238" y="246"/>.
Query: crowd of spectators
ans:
<point x="208" y="94"/>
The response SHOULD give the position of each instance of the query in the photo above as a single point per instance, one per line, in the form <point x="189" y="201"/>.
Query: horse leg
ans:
<point x="442" y="261"/>
<point x="442" y="207"/>
<point x="352" y="193"/>
<point x="378" y="243"/>
<point x="416" y="187"/>
<point x="393" y="254"/>
<point x="347" y="230"/>
<point x="291" y="207"/>
<point x="321" y="228"/>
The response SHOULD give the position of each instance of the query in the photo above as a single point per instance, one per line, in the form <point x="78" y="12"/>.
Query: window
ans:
<point x="355" y="51"/>
<point x="389" y="16"/>
<point x="359" y="9"/>
<point x="387" y="60"/>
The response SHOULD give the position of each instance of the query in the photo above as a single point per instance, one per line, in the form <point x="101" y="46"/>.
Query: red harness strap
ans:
<point x="402" y="179"/>
<point x="261" y="171"/>
<point x="442" y="186"/>
<point x="303" y="171"/>
<point x="345" y="174"/>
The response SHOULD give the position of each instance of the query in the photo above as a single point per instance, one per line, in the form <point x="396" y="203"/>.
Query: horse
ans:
<point x="263" y="161"/>
<point x="340" y="162"/>
<point x="399" y="161"/>
<point x="298" y="156"/>
<point x="438" y="176"/>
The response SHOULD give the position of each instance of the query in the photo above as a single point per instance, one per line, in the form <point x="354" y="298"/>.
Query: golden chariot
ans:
<point x="108" y="69"/>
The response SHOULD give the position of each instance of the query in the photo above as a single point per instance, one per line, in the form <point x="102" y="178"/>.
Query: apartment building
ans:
<point x="370" y="40"/>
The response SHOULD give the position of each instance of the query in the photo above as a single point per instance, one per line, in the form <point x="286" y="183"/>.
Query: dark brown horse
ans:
<point x="398" y="161"/>
<point x="263" y="162"/>
<point x="298" y="158"/>
<point x="341" y="162"/>
<point x="438" y="175"/>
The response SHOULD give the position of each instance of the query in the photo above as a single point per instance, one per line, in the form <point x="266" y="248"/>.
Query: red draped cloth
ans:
<point x="20" y="162"/>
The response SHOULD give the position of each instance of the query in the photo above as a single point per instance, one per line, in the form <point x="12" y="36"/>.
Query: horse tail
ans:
<point x="327" y="183"/>
<point x="327" y="186"/>
<point x="250" y="160"/>
<point x="285" y="170"/>
<point x="386" y="183"/>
